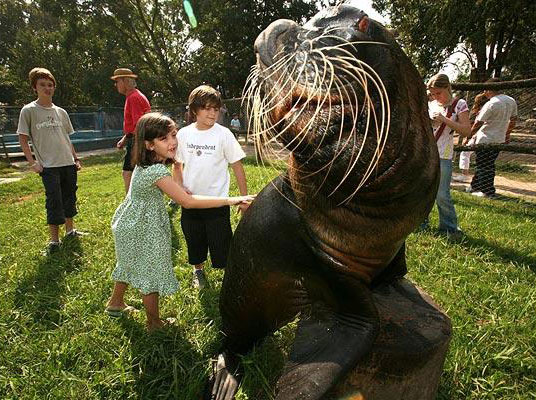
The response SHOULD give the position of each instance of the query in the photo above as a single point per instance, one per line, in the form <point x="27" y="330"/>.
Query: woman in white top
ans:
<point x="448" y="115"/>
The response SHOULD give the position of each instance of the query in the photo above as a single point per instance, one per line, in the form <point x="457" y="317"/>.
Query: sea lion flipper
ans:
<point x="328" y="342"/>
<point x="225" y="379"/>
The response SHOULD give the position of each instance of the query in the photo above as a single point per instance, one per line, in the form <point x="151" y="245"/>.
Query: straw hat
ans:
<point x="123" y="73"/>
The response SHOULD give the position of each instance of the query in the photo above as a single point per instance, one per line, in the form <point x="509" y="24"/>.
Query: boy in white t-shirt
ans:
<point x="48" y="127"/>
<point x="205" y="151"/>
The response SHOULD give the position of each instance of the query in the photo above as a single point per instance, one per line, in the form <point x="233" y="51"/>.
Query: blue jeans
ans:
<point x="447" y="214"/>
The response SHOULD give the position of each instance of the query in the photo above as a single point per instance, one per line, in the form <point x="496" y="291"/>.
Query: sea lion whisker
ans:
<point x="270" y="95"/>
<point x="323" y="93"/>
<point x="298" y="115"/>
<point x="340" y="145"/>
<point x="368" y="106"/>
<point x="382" y="132"/>
<point x="263" y="111"/>
<point x="338" y="152"/>
<point x="276" y="68"/>
<point x="354" y="114"/>
<point x="282" y="88"/>
<point x="351" y="44"/>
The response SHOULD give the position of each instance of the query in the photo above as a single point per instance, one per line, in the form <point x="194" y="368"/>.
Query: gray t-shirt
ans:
<point x="49" y="129"/>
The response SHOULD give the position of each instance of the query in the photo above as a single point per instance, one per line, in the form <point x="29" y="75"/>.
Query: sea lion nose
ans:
<point x="265" y="44"/>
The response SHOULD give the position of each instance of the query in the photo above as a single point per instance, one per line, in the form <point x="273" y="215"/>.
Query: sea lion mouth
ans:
<point x="300" y="108"/>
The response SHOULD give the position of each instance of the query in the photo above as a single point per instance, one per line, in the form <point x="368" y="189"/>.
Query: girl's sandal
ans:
<point x="119" y="312"/>
<point x="166" y="323"/>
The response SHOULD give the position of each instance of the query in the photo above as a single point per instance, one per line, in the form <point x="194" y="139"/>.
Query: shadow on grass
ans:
<point x="41" y="293"/>
<point x="262" y="366"/>
<point x="505" y="253"/>
<point x="164" y="362"/>
<point x="446" y="389"/>
<point x="501" y="205"/>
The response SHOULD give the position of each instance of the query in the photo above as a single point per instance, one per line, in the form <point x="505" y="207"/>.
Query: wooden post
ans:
<point x="407" y="359"/>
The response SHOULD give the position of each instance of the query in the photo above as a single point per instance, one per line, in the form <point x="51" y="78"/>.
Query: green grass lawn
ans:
<point x="56" y="342"/>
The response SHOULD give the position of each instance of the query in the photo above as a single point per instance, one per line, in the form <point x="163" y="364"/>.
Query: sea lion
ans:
<point x="343" y="98"/>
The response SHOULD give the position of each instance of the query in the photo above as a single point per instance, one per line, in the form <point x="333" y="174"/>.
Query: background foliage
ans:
<point x="83" y="41"/>
<point x="497" y="38"/>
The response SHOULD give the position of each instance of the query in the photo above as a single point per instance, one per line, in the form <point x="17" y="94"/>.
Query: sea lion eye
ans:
<point x="363" y="24"/>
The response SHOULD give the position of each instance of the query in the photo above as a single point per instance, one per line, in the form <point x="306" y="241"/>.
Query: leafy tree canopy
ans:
<point x="497" y="37"/>
<point x="83" y="41"/>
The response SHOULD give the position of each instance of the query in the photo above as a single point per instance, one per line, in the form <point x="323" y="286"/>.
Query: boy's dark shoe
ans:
<point x="74" y="233"/>
<point x="200" y="280"/>
<point x="454" y="236"/>
<point x="52" y="247"/>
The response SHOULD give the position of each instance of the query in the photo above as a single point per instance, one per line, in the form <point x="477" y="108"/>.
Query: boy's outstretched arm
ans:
<point x="240" y="175"/>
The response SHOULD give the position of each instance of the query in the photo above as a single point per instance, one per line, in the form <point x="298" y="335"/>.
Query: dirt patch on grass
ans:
<point x="21" y="199"/>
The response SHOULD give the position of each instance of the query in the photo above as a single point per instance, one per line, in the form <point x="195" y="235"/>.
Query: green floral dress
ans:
<point x="142" y="235"/>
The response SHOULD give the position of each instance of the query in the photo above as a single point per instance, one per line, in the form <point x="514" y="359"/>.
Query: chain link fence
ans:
<point x="500" y="169"/>
<point x="95" y="127"/>
<point x="509" y="168"/>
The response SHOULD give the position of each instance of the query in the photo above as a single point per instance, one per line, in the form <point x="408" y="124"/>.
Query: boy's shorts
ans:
<point x="60" y="190"/>
<point x="127" y="161"/>
<point x="207" y="230"/>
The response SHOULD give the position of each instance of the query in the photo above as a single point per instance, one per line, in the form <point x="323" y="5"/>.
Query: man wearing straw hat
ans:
<point x="136" y="104"/>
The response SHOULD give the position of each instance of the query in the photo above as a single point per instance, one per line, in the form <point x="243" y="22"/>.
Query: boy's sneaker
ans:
<point x="74" y="233"/>
<point x="200" y="279"/>
<point x="52" y="247"/>
<point x="486" y="195"/>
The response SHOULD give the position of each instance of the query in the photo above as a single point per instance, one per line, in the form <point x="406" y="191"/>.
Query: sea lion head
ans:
<point x="343" y="98"/>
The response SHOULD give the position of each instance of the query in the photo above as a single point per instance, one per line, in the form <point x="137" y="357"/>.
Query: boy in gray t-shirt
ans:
<point x="48" y="127"/>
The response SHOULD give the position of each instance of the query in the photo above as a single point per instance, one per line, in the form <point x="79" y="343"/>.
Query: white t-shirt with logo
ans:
<point x="445" y="144"/>
<point x="206" y="155"/>
<point x="495" y="115"/>
<point x="49" y="129"/>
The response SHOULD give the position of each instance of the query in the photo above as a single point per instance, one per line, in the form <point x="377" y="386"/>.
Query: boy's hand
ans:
<point x="37" y="168"/>
<point x="78" y="164"/>
<point x="244" y="206"/>
<point x="245" y="203"/>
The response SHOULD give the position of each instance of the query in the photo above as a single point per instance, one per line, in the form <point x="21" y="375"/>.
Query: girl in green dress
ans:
<point x="141" y="226"/>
